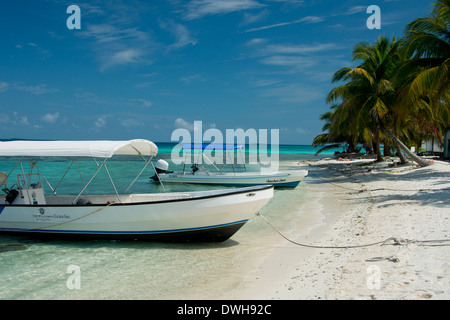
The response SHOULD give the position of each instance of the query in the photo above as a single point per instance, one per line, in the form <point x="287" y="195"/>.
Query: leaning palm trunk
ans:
<point x="399" y="151"/>
<point x="421" y="162"/>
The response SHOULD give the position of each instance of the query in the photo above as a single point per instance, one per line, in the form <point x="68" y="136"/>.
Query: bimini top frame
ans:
<point x="228" y="149"/>
<point x="95" y="149"/>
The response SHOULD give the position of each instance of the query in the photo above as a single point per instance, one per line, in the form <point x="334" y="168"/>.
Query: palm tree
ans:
<point x="401" y="89"/>
<point x="427" y="72"/>
<point x="427" y="42"/>
<point x="338" y="130"/>
<point x="371" y="93"/>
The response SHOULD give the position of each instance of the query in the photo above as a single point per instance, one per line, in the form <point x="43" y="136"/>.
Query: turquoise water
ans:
<point x="123" y="170"/>
<point x="35" y="269"/>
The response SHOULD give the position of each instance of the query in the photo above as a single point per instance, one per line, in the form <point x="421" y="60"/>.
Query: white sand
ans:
<point x="357" y="203"/>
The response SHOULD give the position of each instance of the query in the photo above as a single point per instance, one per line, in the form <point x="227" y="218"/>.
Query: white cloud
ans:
<point x="265" y="83"/>
<point x="250" y="18"/>
<point x="14" y="119"/>
<point x="128" y="56"/>
<point x="38" y="89"/>
<point x="24" y="120"/>
<point x="130" y="123"/>
<point x="116" y="45"/>
<point x="181" y="123"/>
<point x="307" y="19"/>
<point x="109" y="33"/>
<point x="289" y="61"/>
<point x="195" y="125"/>
<point x="141" y="103"/>
<point x="299" y="49"/>
<point x="197" y="9"/>
<point x="355" y="9"/>
<point x="3" y="86"/>
<point x="293" y="56"/>
<point x="293" y="93"/>
<point x="51" y="118"/>
<point x="256" y="41"/>
<point x="191" y="78"/>
<point x="181" y="33"/>
<point x="100" y="122"/>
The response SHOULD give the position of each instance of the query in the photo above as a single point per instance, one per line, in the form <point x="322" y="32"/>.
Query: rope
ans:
<point x="335" y="184"/>
<point x="395" y="241"/>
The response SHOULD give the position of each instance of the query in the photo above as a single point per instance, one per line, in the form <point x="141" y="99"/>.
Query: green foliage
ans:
<point x="399" y="91"/>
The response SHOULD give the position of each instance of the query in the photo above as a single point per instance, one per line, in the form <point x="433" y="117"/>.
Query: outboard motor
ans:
<point x="11" y="195"/>
<point x="161" y="166"/>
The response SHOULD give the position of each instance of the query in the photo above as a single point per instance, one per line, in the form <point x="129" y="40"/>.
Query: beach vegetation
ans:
<point x="398" y="95"/>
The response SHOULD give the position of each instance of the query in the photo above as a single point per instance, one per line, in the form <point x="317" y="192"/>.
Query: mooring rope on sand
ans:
<point x="389" y="241"/>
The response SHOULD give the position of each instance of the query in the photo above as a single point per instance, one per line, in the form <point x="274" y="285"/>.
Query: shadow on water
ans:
<point x="12" y="247"/>
<point x="23" y="242"/>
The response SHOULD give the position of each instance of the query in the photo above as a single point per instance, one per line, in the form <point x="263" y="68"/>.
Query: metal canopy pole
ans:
<point x="146" y="164"/>
<point x="98" y="169"/>
<point x="7" y="177"/>
<point x="64" y="176"/>
<point x="112" y="182"/>
<point x="162" y="185"/>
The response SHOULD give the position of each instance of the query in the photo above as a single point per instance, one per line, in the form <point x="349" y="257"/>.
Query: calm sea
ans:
<point x="56" y="269"/>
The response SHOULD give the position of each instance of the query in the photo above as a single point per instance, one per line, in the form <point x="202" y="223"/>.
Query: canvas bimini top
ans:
<point x="97" y="149"/>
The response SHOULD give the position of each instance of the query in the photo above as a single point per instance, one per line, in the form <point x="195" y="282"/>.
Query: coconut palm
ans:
<point x="427" y="73"/>
<point x="401" y="89"/>
<point x="427" y="42"/>
<point x="370" y="92"/>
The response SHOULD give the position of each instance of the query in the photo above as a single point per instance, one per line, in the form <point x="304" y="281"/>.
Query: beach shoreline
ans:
<point x="363" y="203"/>
<point x="340" y="204"/>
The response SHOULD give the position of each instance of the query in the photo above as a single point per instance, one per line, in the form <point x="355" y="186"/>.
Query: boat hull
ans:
<point x="202" y="216"/>
<point x="278" y="180"/>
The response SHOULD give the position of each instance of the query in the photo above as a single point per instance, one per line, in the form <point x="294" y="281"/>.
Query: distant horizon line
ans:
<point x="156" y="142"/>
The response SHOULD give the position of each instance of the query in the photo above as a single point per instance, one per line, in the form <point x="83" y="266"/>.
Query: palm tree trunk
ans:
<point x="376" y="144"/>
<point x="397" y="147"/>
<point x="400" y="154"/>
<point x="378" y="151"/>
<point x="421" y="162"/>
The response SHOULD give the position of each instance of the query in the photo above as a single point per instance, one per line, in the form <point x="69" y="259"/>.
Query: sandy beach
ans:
<point x="350" y="230"/>
<point x="399" y="215"/>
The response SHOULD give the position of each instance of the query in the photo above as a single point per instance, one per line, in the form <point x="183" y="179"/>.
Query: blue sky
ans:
<point x="141" y="69"/>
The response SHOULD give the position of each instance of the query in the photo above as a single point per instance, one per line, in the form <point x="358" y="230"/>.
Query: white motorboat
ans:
<point x="215" y="176"/>
<point x="213" y="215"/>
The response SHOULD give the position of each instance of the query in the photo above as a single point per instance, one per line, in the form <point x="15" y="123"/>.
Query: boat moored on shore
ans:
<point x="25" y="208"/>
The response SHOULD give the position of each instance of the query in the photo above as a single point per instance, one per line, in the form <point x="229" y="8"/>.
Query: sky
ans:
<point x="142" y="69"/>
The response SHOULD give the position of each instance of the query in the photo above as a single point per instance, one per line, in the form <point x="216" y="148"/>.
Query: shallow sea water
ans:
<point x="36" y="269"/>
